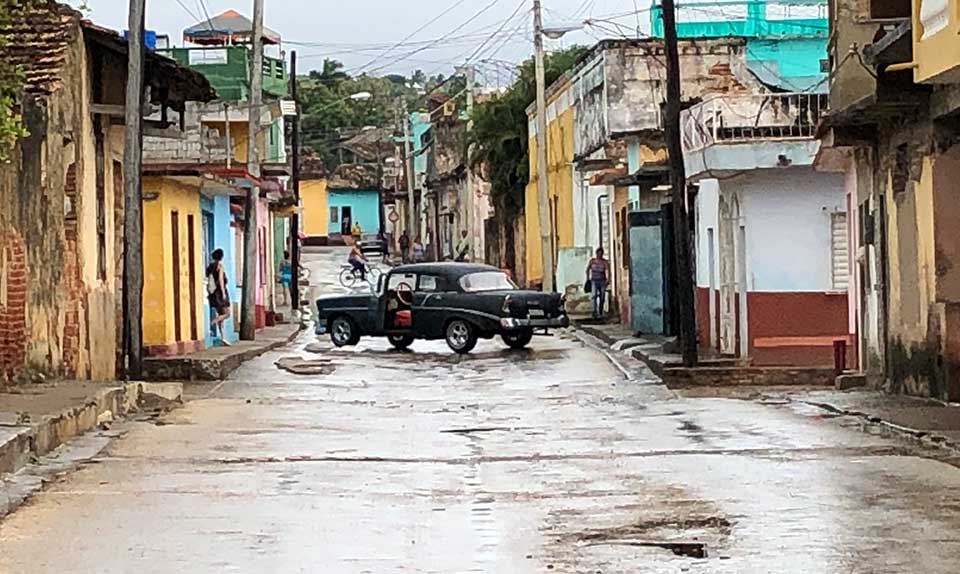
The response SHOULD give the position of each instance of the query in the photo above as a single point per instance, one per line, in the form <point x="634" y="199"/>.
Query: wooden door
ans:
<point x="175" y="256"/>
<point x="192" y="276"/>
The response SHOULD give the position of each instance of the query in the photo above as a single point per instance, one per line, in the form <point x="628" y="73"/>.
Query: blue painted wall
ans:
<point x="364" y="205"/>
<point x="420" y="124"/>
<point x="785" y="52"/>
<point x="218" y="234"/>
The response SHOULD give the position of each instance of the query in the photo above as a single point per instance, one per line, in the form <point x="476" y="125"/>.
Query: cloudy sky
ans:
<point x="434" y="35"/>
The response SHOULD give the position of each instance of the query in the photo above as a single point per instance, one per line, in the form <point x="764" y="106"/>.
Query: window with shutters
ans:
<point x="839" y="251"/>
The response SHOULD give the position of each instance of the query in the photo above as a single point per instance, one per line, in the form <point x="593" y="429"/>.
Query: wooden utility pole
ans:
<point x="295" y="218"/>
<point x="468" y="220"/>
<point x="248" y="312"/>
<point x="132" y="205"/>
<point x="543" y="195"/>
<point x="409" y="171"/>
<point x="678" y="181"/>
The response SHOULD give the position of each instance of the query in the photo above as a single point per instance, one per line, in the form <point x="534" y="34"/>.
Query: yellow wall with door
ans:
<point x="238" y="140"/>
<point x="560" y="185"/>
<point x="158" y="303"/>
<point x="313" y="195"/>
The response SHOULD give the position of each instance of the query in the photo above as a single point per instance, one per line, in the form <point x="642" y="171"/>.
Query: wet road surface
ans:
<point x="541" y="461"/>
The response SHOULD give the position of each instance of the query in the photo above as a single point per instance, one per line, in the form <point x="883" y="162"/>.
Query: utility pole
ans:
<point x="132" y="204"/>
<point x="543" y="196"/>
<point x="678" y="181"/>
<point x="408" y="170"/>
<point x="295" y="218"/>
<point x="468" y="221"/>
<point x="248" y="312"/>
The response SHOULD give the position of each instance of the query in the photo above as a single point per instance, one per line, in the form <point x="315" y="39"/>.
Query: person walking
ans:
<point x="419" y="253"/>
<point x="404" y="247"/>
<point x="218" y="295"/>
<point x="598" y="274"/>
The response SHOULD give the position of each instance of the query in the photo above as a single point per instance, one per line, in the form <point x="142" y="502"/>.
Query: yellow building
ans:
<point x="936" y="41"/>
<point x="313" y="198"/>
<point x="560" y="151"/>
<point x="173" y="278"/>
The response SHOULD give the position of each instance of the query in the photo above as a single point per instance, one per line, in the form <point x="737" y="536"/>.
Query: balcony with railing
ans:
<point x="228" y="70"/>
<point x="751" y="131"/>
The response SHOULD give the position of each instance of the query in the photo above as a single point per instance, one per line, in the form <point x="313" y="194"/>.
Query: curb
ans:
<point x="191" y="369"/>
<point x="922" y="437"/>
<point x="30" y="440"/>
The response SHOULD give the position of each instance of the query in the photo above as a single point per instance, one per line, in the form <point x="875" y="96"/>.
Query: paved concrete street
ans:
<point x="548" y="460"/>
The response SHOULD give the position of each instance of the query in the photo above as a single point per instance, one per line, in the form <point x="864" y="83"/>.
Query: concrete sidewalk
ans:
<point x="36" y="419"/>
<point x="217" y="363"/>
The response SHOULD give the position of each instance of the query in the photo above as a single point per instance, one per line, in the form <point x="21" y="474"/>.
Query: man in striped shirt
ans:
<point x="598" y="273"/>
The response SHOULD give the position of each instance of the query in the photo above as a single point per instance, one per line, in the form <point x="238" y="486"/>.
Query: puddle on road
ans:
<point x="306" y="367"/>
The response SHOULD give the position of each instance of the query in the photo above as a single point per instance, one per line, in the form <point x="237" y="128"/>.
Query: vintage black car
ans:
<point x="459" y="302"/>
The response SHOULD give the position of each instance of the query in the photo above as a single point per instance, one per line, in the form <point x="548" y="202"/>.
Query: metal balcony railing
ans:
<point x="743" y="118"/>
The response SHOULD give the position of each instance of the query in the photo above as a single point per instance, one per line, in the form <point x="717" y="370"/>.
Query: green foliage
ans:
<point x="327" y="107"/>
<point x="11" y="84"/>
<point x="500" y="138"/>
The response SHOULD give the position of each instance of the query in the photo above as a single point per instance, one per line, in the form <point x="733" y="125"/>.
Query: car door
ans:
<point x="399" y="300"/>
<point x="429" y="306"/>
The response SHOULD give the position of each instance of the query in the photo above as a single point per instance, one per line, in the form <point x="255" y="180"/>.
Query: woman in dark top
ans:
<point x="218" y="295"/>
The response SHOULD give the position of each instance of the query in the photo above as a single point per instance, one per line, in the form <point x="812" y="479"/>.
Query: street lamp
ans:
<point x="543" y="194"/>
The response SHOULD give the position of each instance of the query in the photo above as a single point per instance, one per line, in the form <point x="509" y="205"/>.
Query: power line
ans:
<point x="203" y="7"/>
<point x="188" y="11"/>
<point x="500" y="29"/>
<point x="412" y="34"/>
<point x="457" y="29"/>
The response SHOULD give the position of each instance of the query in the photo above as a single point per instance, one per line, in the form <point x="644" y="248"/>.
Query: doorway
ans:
<point x="192" y="276"/>
<point x="346" y="220"/>
<point x="175" y="255"/>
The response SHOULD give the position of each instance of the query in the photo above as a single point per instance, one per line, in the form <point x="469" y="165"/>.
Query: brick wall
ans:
<point x="748" y="376"/>
<point x="13" y="299"/>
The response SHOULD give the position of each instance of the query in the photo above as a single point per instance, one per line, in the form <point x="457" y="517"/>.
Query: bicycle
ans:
<point x="349" y="276"/>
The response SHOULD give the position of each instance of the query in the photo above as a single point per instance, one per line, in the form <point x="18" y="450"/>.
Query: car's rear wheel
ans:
<point x="400" y="342"/>
<point x="343" y="332"/>
<point x="461" y="336"/>
<point x="517" y="340"/>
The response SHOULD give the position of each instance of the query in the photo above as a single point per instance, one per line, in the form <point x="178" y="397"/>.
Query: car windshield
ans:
<point x="487" y="281"/>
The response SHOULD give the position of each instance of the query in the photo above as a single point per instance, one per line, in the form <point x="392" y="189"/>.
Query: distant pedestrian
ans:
<point x="218" y="295"/>
<point x="357" y="231"/>
<point x="598" y="274"/>
<point x="286" y="277"/>
<point x="419" y="253"/>
<point x="404" y="247"/>
<point x="463" y="247"/>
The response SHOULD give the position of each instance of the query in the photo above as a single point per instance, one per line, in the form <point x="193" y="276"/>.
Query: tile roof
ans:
<point x="37" y="40"/>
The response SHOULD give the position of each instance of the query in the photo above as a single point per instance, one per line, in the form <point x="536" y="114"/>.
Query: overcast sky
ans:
<point x="359" y="31"/>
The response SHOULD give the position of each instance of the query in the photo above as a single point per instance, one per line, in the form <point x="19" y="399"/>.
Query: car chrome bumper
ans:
<point x="556" y="322"/>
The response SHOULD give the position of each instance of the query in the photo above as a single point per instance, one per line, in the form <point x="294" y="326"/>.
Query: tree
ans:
<point x="11" y="82"/>
<point x="499" y="137"/>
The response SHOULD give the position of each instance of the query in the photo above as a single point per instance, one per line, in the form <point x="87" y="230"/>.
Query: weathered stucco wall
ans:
<point x="58" y="306"/>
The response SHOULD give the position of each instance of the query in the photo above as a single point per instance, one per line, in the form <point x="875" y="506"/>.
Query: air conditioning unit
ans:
<point x="449" y="108"/>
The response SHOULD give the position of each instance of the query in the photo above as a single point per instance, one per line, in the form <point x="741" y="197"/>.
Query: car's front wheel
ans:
<point x="343" y="332"/>
<point x="461" y="336"/>
<point x="400" y="342"/>
<point x="518" y="340"/>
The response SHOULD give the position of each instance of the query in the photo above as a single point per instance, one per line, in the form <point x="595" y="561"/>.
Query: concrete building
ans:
<point x="771" y="245"/>
<point x="196" y="183"/>
<point x="892" y="128"/>
<point x="61" y="195"/>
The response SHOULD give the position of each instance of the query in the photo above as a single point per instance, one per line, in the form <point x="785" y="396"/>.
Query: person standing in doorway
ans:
<point x="463" y="247"/>
<point x="218" y="295"/>
<point x="286" y="277"/>
<point x="404" y="247"/>
<point x="598" y="273"/>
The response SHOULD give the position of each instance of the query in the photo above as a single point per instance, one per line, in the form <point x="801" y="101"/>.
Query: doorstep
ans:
<point x="216" y="363"/>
